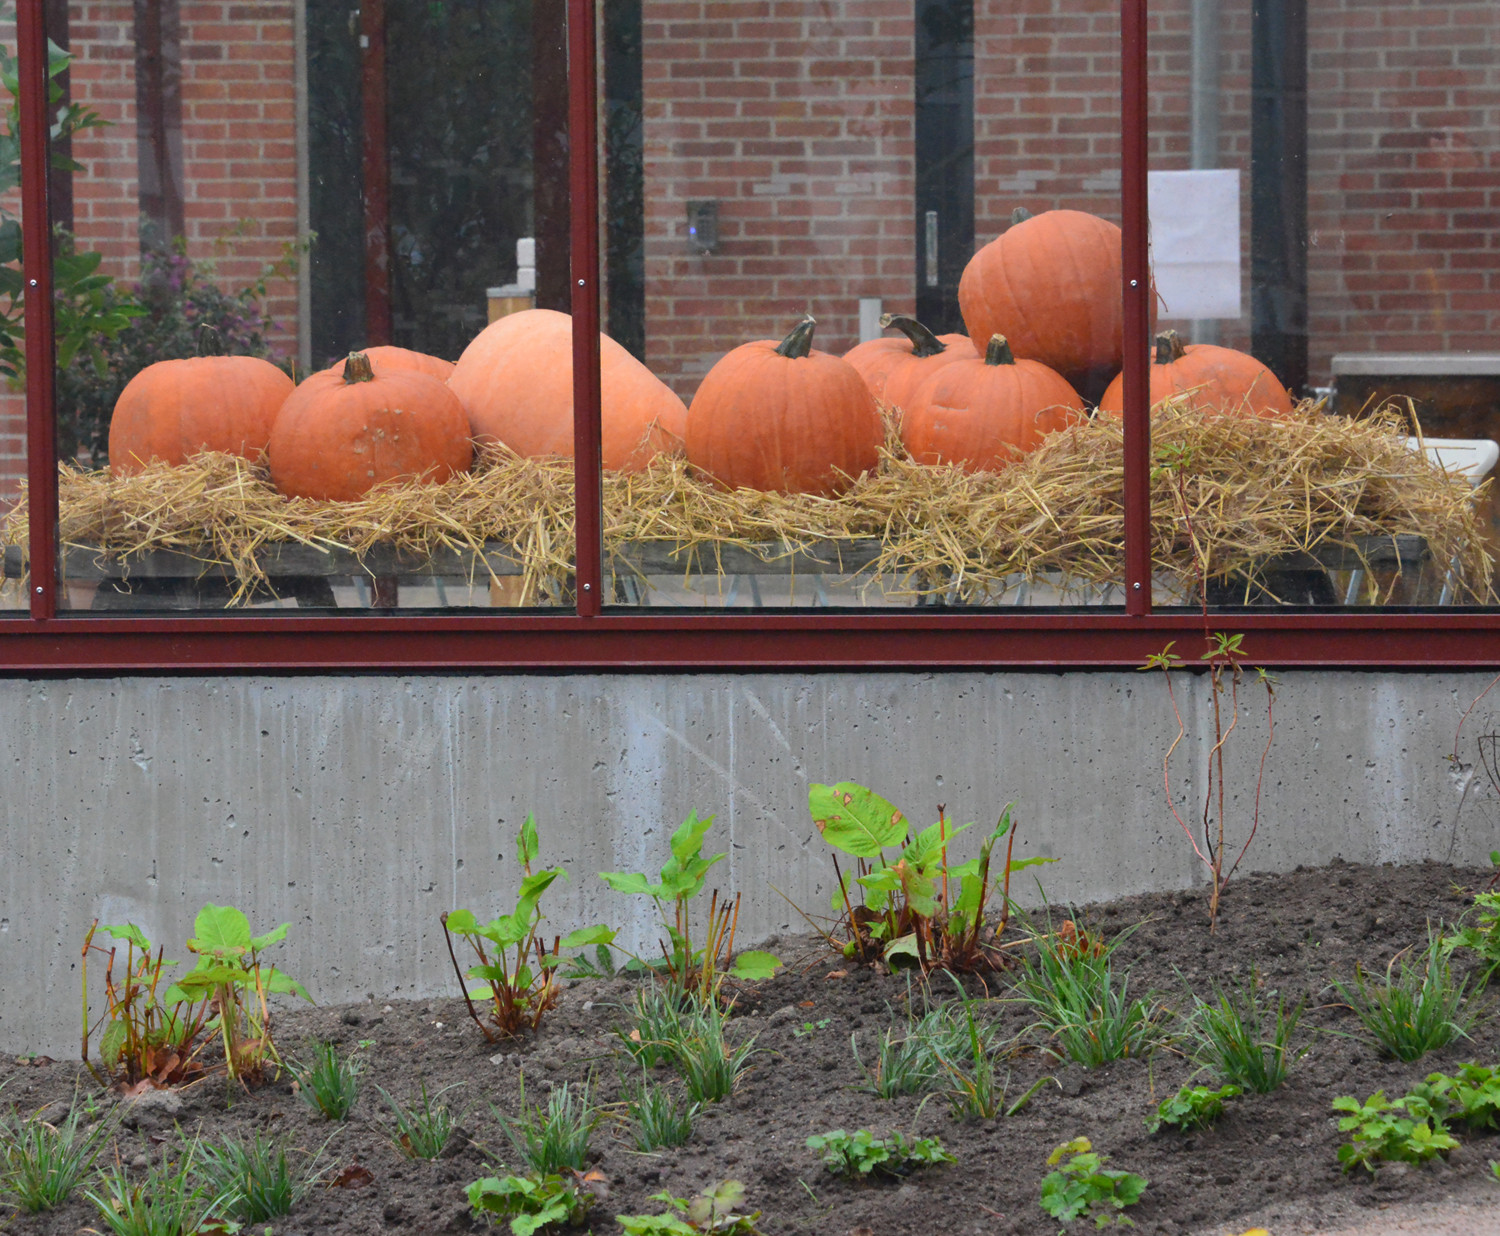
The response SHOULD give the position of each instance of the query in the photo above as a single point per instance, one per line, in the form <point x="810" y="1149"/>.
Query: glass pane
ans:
<point x="287" y="184"/>
<point x="13" y="596"/>
<point x="842" y="162"/>
<point x="1325" y="187"/>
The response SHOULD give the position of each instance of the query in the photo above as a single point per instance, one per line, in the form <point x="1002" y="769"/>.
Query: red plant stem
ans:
<point x="1462" y="720"/>
<point x="859" y="942"/>
<point x="462" y="986"/>
<point x="1261" y="778"/>
<point x="1005" y="895"/>
<point x="943" y="850"/>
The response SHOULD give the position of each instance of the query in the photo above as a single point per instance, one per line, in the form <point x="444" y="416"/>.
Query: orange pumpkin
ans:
<point x="516" y="383"/>
<point x="985" y="413"/>
<point x="176" y="408"/>
<point x="1051" y="284"/>
<point x="341" y="434"/>
<point x="387" y="356"/>
<point x="1211" y="377"/>
<point x="783" y="417"/>
<point x="893" y="368"/>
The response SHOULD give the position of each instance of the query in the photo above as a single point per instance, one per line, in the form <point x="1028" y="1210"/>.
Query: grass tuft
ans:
<point x="1417" y="1008"/>
<point x="41" y="1163"/>
<point x="330" y="1083"/>
<point x="553" y="1138"/>
<point x="1239" y="1037"/>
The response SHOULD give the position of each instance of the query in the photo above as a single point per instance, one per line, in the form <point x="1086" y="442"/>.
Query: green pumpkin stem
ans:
<point x="923" y="341"/>
<point x="799" y="342"/>
<point x="1169" y="348"/>
<point x="358" y="368"/>
<point x="210" y="342"/>
<point x="998" y="352"/>
<point x="1019" y="215"/>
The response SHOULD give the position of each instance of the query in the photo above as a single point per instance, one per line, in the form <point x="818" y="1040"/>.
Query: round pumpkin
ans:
<point x="341" y="434"/>
<point x="984" y="414"/>
<point x="782" y="417"/>
<point x="385" y="356"/>
<point x="1209" y="377"/>
<point x="893" y="367"/>
<point x="176" y="408"/>
<point x="515" y="381"/>
<point x="1051" y="284"/>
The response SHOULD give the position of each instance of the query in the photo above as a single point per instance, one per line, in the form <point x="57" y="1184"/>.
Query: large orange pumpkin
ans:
<point x="176" y="408"/>
<point x="893" y="368"/>
<point x="1210" y="377"/>
<point x="516" y="383"/>
<point x="783" y="417"/>
<point x="1051" y="284"/>
<point x="385" y="356"/>
<point x="341" y="434"/>
<point x="985" y="413"/>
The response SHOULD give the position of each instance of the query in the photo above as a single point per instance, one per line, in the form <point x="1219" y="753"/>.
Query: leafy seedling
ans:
<point x="861" y="1155"/>
<point x="687" y="965"/>
<point x="1482" y="935"/>
<point x="531" y="1203"/>
<point x="1082" y="1185"/>
<point x="1192" y="1107"/>
<point x="713" y="1211"/>
<point x="809" y="1028"/>
<point x="1472" y="1097"/>
<point x="1401" y="1131"/>
<point x="514" y="969"/>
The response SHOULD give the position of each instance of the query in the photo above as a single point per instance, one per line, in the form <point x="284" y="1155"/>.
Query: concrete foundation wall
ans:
<point x="359" y="808"/>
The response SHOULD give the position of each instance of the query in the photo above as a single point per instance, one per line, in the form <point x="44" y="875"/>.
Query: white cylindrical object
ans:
<point x="869" y="318"/>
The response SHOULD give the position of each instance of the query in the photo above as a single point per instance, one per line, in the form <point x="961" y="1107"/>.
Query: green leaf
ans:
<point x="855" y="820"/>
<point x="585" y="936"/>
<point x="275" y="981"/>
<point x="526" y="841"/>
<point x="462" y="923"/>
<point x="901" y="953"/>
<point x="113" y="1043"/>
<point x="631" y="882"/>
<point x="687" y="841"/>
<point x="271" y="937"/>
<point x="754" y="965"/>
<point x="221" y="931"/>
<point x="134" y="935"/>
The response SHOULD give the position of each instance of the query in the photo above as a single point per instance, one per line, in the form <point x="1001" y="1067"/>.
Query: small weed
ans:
<point x="1417" y="1009"/>
<point x="600" y="966"/>
<point x="709" y="1067"/>
<point x="530" y="1202"/>
<point x="554" y="1138"/>
<point x="423" y="1128"/>
<point x="1472" y="1097"/>
<point x="913" y="1061"/>
<point x="976" y="1094"/>
<point x="661" y="1016"/>
<point x="713" y="1211"/>
<point x="862" y="1154"/>
<point x="1482" y="936"/>
<point x="41" y="1163"/>
<point x="809" y="1028"/>
<point x="1405" y="1130"/>
<point x="1081" y="1184"/>
<point x="1192" y="1107"/>
<point x="330" y="1084"/>
<point x="255" y="1178"/>
<point x="1235" y="1036"/>
<point x="658" y="1118"/>
<point x="170" y="1200"/>
<point x="1085" y="1005"/>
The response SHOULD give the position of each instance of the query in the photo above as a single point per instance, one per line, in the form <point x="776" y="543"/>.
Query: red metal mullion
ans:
<point x="583" y="177"/>
<point x="1134" y="154"/>
<point x="36" y="244"/>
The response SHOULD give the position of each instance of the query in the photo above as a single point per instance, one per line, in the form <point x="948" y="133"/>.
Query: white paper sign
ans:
<point x="1195" y="242"/>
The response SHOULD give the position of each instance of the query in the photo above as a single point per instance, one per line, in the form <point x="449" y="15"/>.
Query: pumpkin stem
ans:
<point x="1169" y="348"/>
<point x="799" y="342"/>
<point x="210" y="342"/>
<point x="923" y="341"/>
<point x="1019" y="215"/>
<point x="358" y="368"/>
<point x="998" y="352"/>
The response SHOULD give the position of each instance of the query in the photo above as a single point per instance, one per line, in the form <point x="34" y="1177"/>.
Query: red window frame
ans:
<point x="592" y="638"/>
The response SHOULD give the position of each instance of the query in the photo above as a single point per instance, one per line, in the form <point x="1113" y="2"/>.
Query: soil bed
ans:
<point x="1271" y="1158"/>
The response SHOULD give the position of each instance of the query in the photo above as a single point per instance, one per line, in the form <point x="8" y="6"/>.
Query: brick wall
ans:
<point x="797" y="118"/>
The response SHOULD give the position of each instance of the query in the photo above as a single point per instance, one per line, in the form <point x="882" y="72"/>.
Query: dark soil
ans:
<point x="1271" y="1156"/>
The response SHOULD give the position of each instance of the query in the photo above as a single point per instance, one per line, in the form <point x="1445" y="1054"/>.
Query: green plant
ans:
<point x="809" y="1028"/>
<point x="40" y="1163"/>
<point x="329" y="1084"/>
<point x="861" y="1154"/>
<point x="1192" y="1107"/>
<point x="1418" y="1008"/>
<point x="661" y="1017"/>
<point x="556" y="1137"/>
<point x="1235" y="1036"/>
<point x="1084" y="1004"/>
<point x="910" y="1061"/>
<point x="530" y="1202"/>
<point x="255" y="1179"/>
<point x="975" y="1092"/>
<point x="685" y="964"/>
<point x="1483" y="935"/>
<point x="905" y="911"/>
<point x="709" y="1067"/>
<point x="1405" y="1130"/>
<point x="517" y="977"/>
<point x="1081" y="1184"/>
<point x="657" y="1117"/>
<point x="1472" y="1097"/>
<point x="712" y="1211"/>
<point x="423" y="1127"/>
<point x="600" y="966"/>
<point x="171" y="1199"/>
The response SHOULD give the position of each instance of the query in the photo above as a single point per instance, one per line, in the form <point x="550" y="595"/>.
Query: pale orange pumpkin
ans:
<point x="1206" y="377"/>
<point x="1052" y="285"/>
<point x="893" y="368"/>
<point x="176" y="408"/>
<point x="385" y="356"/>
<point x="782" y="417"/>
<point x="341" y="434"/>
<point x="515" y="381"/>
<point x="984" y="414"/>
